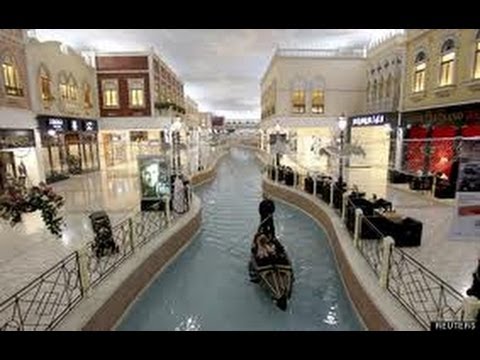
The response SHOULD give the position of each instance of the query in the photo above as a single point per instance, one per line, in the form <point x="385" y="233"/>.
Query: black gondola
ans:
<point x="274" y="273"/>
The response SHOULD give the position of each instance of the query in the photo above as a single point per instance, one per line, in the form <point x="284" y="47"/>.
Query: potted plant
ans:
<point x="18" y="200"/>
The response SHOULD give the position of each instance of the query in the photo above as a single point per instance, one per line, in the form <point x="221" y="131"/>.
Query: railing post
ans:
<point x="344" y="206"/>
<point x="332" y="188"/>
<point x="83" y="270"/>
<point x="358" y="227"/>
<point x="190" y="196"/>
<point x="315" y="186"/>
<point x="388" y="244"/>
<point x="130" y="234"/>
<point x="167" y="209"/>
<point x="470" y="308"/>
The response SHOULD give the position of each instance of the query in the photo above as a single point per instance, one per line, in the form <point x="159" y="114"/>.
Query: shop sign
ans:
<point x="55" y="124"/>
<point x="368" y="120"/>
<point x="466" y="220"/>
<point x="73" y="125"/>
<point x="10" y="139"/>
<point x="89" y="125"/>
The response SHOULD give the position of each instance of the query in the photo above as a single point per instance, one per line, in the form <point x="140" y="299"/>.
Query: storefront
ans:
<point x="18" y="156"/>
<point x="122" y="147"/>
<point x="69" y="146"/>
<point x="375" y="134"/>
<point x="433" y="137"/>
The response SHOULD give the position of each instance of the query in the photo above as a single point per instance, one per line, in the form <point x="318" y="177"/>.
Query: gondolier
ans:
<point x="266" y="210"/>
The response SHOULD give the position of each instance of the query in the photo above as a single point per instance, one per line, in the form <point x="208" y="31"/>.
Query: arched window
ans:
<point x="72" y="93"/>
<point x="11" y="80"/>
<point x="447" y="63"/>
<point x="63" y="86"/>
<point x="45" y="84"/>
<point x="476" y="69"/>
<point x="298" y="97"/>
<point x="87" y="96"/>
<point x="318" y="95"/>
<point x="380" y="89"/>
<point x="388" y="87"/>
<point x="419" y="73"/>
<point x="298" y="101"/>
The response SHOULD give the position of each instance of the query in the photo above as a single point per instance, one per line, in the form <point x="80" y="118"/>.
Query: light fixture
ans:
<point x="51" y="132"/>
<point x="388" y="128"/>
<point x="342" y="122"/>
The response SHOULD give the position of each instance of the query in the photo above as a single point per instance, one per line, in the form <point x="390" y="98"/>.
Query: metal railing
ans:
<point x="44" y="303"/>
<point x="422" y="293"/>
<point x="427" y="297"/>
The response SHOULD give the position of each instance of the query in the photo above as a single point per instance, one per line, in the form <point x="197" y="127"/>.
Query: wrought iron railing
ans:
<point x="422" y="293"/>
<point x="370" y="245"/>
<point x="43" y="303"/>
<point x="427" y="297"/>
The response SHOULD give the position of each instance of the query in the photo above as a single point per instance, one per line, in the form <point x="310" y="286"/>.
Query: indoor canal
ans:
<point x="208" y="287"/>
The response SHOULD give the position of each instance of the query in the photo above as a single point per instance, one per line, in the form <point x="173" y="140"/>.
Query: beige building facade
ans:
<point x="441" y="98"/>
<point x="19" y="137"/>
<point x="64" y="96"/>
<point x="304" y="92"/>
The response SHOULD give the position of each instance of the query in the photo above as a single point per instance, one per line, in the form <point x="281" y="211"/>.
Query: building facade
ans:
<point x="139" y="98"/>
<point x="63" y="93"/>
<point x="19" y="139"/>
<point x="192" y="115"/>
<point x="441" y="97"/>
<point x="375" y="130"/>
<point x="304" y="92"/>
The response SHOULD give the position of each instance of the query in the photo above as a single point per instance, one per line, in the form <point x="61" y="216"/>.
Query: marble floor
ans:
<point x="28" y="249"/>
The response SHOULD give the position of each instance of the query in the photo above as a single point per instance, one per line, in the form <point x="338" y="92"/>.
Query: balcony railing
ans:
<point x="322" y="53"/>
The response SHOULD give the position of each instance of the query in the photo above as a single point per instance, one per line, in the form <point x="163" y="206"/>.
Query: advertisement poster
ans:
<point x="466" y="221"/>
<point x="154" y="177"/>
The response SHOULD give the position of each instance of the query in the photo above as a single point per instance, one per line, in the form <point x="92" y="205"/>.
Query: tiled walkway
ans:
<point x="452" y="260"/>
<point x="29" y="249"/>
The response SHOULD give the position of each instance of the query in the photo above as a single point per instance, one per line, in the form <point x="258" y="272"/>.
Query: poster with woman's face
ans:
<point x="154" y="177"/>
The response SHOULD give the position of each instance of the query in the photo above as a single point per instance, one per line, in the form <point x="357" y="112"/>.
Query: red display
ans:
<point x="442" y="149"/>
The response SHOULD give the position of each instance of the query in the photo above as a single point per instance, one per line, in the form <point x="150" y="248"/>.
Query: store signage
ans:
<point x="90" y="125"/>
<point x="10" y="139"/>
<point x="368" y="120"/>
<point x="56" y="124"/>
<point x="466" y="220"/>
<point x="73" y="125"/>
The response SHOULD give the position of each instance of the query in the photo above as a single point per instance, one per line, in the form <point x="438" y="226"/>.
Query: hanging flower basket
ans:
<point x="18" y="200"/>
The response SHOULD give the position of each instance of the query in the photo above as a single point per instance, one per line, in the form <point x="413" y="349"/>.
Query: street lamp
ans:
<point x="175" y="136"/>
<point x="342" y="125"/>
